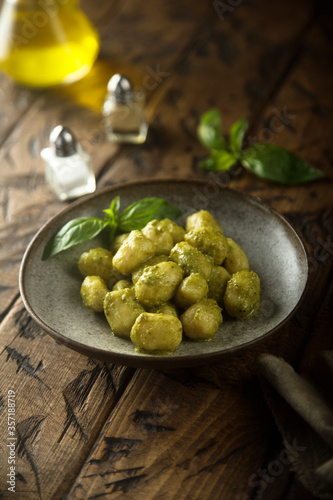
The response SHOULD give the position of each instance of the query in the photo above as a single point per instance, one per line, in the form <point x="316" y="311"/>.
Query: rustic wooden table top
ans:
<point x="88" y="429"/>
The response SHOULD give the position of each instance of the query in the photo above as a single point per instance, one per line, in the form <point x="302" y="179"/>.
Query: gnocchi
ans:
<point x="121" y="310"/>
<point x="163" y="281"/>
<point x="93" y="291"/>
<point x="156" y="332"/>
<point x="242" y="295"/>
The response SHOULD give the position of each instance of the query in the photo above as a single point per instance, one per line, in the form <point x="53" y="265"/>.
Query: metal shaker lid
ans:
<point x="63" y="141"/>
<point x="120" y="88"/>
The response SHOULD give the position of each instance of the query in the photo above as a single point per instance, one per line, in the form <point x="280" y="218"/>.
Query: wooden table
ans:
<point x="88" y="429"/>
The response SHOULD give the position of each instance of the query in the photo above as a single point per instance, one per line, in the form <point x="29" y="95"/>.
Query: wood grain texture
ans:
<point x="62" y="399"/>
<point x="89" y="430"/>
<point x="175" y="425"/>
<point x="224" y="62"/>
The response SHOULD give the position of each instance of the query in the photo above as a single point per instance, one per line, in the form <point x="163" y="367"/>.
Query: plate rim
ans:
<point x="150" y="360"/>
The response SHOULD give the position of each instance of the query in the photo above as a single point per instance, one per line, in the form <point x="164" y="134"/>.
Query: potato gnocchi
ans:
<point x="165" y="283"/>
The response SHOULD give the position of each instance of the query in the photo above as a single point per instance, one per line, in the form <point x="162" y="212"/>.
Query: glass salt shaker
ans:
<point x="123" y="112"/>
<point x="68" y="168"/>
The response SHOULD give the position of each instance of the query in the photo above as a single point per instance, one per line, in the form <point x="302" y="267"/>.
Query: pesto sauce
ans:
<point x="153" y="353"/>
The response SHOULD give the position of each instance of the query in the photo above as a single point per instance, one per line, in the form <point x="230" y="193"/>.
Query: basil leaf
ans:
<point x="219" y="161"/>
<point x="74" y="232"/>
<point x="210" y="130"/>
<point x="237" y="133"/>
<point x="277" y="164"/>
<point x="137" y="215"/>
<point x="111" y="216"/>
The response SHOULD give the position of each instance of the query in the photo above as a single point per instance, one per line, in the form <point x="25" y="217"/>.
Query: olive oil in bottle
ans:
<point x="46" y="42"/>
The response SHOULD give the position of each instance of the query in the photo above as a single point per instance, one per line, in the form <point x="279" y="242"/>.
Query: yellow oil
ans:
<point x="46" y="42"/>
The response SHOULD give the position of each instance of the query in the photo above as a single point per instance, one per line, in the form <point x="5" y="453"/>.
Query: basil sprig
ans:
<point x="264" y="160"/>
<point x="135" y="216"/>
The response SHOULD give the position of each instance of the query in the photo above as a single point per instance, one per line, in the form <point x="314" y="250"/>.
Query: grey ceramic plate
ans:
<point x="51" y="289"/>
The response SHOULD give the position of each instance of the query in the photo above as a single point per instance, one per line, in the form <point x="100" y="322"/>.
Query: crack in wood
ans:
<point x="221" y="461"/>
<point x="106" y="373"/>
<point x="115" y="449"/>
<point x="124" y="485"/>
<point x="2" y="404"/>
<point x="77" y="392"/>
<point x="147" y="420"/>
<point x="28" y="431"/>
<point x="23" y="363"/>
<point x="211" y="443"/>
<point x="21" y="478"/>
<point x="131" y="471"/>
<point x="75" y="395"/>
<point x="26" y="326"/>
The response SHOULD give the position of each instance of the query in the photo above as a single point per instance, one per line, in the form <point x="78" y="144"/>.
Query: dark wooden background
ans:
<point x="87" y="429"/>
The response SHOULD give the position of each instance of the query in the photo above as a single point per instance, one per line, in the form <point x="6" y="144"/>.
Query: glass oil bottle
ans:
<point x="46" y="42"/>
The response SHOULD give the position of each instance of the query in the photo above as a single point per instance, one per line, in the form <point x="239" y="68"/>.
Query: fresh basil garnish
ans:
<point x="135" y="216"/>
<point x="237" y="133"/>
<point x="277" y="164"/>
<point x="111" y="216"/>
<point x="74" y="232"/>
<point x="210" y="130"/>
<point x="219" y="161"/>
<point x="267" y="161"/>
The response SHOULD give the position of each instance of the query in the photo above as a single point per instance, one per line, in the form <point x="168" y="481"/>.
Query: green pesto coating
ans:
<point x="164" y="271"/>
<point x="191" y="260"/>
<point x="157" y="232"/>
<point x="97" y="262"/>
<point x="134" y="251"/>
<point x="136" y="273"/>
<point x="192" y="289"/>
<point x="156" y="332"/>
<point x="217" y="283"/>
<point x="236" y="259"/>
<point x="202" y="218"/>
<point x="121" y="310"/>
<point x="242" y="295"/>
<point x="165" y="308"/>
<point x="158" y="284"/>
<point x="201" y="320"/>
<point x="93" y="291"/>
<point x="177" y="232"/>
<point x="209" y="241"/>
<point x="122" y="284"/>
<point x="118" y="241"/>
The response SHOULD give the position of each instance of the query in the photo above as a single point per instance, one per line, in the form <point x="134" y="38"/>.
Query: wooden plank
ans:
<point x="176" y="428"/>
<point x="306" y="96"/>
<point x="231" y="68"/>
<point x="14" y="101"/>
<point x="62" y="400"/>
<point x="319" y="341"/>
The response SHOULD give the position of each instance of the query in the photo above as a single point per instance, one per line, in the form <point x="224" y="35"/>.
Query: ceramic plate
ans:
<point x="51" y="289"/>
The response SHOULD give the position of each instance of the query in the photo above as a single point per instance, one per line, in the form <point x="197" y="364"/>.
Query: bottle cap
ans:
<point x="121" y="89"/>
<point x="63" y="141"/>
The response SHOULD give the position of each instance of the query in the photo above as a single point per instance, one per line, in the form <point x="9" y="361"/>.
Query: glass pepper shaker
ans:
<point x="123" y="112"/>
<point x="68" y="168"/>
